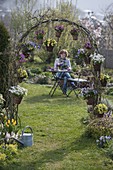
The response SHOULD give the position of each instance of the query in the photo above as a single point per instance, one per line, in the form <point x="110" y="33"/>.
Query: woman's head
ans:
<point x="63" y="52"/>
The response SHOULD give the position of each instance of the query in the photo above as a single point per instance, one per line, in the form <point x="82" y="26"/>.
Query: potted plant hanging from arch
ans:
<point x="39" y="36"/>
<point x="50" y="43"/>
<point x="74" y="33"/>
<point x="59" y="29"/>
<point x="18" y="93"/>
<point x="97" y="60"/>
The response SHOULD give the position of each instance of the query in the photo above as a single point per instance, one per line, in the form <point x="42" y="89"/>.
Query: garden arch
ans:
<point x="80" y="27"/>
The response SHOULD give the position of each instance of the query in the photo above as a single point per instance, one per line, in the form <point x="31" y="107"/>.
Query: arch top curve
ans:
<point x="84" y="29"/>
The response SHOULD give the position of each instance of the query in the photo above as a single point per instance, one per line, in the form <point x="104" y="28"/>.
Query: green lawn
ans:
<point x="59" y="140"/>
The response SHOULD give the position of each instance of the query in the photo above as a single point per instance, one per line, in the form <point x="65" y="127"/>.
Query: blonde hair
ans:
<point x="63" y="51"/>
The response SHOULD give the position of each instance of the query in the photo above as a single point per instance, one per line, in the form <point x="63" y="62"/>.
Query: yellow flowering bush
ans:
<point x="50" y="42"/>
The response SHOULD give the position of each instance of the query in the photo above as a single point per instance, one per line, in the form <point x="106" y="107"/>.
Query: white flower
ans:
<point x="18" y="90"/>
<point x="97" y="58"/>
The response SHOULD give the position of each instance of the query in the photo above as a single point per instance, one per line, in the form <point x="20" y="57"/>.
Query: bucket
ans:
<point x="27" y="138"/>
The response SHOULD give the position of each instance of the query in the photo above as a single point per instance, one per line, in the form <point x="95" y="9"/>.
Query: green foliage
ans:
<point x="7" y="152"/>
<point x="110" y="91"/>
<point x="100" y="127"/>
<point x="4" y="37"/>
<point x="109" y="150"/>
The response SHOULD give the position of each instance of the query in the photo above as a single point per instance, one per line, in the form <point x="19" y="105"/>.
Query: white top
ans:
<point x="62" y="64"/>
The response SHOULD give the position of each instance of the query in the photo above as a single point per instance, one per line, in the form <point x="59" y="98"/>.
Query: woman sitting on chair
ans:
<point x="63" y="64"/>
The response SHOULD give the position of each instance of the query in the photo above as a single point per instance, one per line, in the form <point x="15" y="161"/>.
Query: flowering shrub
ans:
<point x="59" y="28"/>
<point x="74" y="31"/>
<point x="97" y="58"/>
<point x="50" y="42"/>
<point x="88" y="93"/>
<point x="39" y="34"/>
<point x="18" y="90"/>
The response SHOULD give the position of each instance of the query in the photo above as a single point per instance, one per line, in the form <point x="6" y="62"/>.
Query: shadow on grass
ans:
<point x="46" y="98"/>
<point x="53" y="156"/>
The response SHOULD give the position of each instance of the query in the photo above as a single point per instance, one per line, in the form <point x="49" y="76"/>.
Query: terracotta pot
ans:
<point x="58" y="34"/>
<point x="100" y="115"/>
<point x="49" y="48"/>
<point x="90" y="101"/>
<point x="97" y="67"/>
<point x="17" y="99"/>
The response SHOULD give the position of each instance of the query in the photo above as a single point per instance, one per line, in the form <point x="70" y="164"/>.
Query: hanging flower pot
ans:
<point x="17" y="99"/>
<point x="17" y="93"/>
<point x="74" y="33"/>
<point x="39" y="34"/>
<point x="50" y="43"/>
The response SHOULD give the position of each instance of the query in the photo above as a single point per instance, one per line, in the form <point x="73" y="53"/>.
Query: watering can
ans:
<point x="26" y="139"/>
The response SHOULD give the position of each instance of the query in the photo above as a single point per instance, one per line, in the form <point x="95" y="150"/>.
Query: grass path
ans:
<point x="59" y="140"/>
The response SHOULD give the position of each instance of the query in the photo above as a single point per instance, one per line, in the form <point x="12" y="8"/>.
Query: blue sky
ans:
<point x="94" y="5"/>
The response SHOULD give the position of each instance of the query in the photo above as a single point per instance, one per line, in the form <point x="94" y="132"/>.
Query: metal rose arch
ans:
<point x="81" y="29"/>
<point x="79" y="26"/>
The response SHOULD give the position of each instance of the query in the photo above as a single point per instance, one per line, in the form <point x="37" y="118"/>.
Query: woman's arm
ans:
<point x="56" y="64"/>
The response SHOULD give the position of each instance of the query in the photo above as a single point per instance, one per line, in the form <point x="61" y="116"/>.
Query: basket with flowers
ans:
<point x="39" y="34"/>
<point x="18" y="92"/>
<point x="97" y="60"/>
<point x="59" y="29"/>
<point x="50" y="43"/>
<point x="74" y="33"/>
